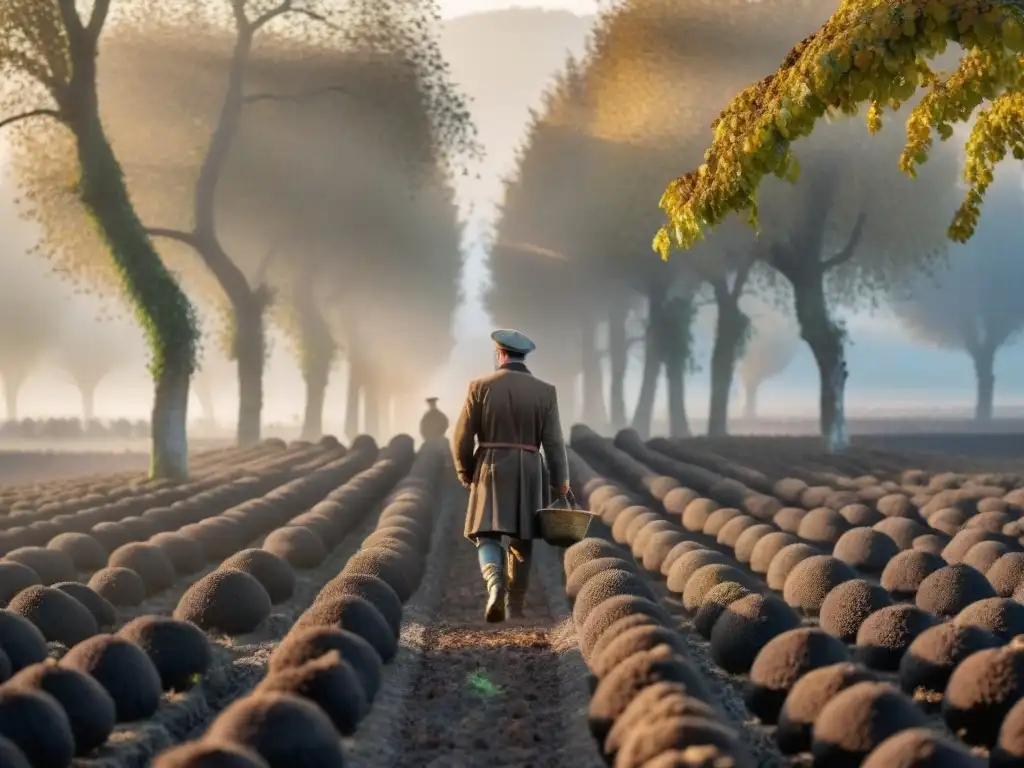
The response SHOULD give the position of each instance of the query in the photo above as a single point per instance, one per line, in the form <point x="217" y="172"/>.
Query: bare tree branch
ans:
<point x="187" y="238"/>
<point x="850" y="249"/>
<point x="100" y="11"/>
<point x="254" y="98"/>
<point x="278" y="10"/>
<point x="51" y="113"/>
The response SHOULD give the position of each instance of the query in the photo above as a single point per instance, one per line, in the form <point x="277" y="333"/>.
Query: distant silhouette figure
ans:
<point x="434" y="423"/>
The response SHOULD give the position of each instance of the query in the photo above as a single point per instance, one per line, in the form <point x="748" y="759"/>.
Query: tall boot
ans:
<point x="520" y="558"/>
<point x="492" y="567"/>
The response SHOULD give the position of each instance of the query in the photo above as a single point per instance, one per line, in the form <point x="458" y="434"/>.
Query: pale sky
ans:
<point x="451" y="8"/>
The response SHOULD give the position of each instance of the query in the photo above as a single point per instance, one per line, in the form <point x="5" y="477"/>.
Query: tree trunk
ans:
<point x="675" y="375"/>
<point x="12" y="388"/>
<point x="730" y="328"/>
<point x="162" y="307"/>
<point x="826" y="340"/>
<point x="372" y="410"/>
<point x="984" y="365"/>
<point x="204" y="395"/>
<point x="594" y="412"/>
<point x="750" y="401"/>
<point x="618" y="359"/>
<point x="654" y="350"/>
<point x="250" y="354"/>
<point x="352" y="398"/>
<point x="88" y="392"/>
<point x="316" y="350"/>
<point x="313" y="419"/>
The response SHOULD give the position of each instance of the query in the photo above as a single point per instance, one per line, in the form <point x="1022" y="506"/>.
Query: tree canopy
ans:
<point x="869" y="52"/>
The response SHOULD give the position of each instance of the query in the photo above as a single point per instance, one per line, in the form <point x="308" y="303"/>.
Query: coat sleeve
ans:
<point x="554" y="447"/>
<point x="464" y="438"/>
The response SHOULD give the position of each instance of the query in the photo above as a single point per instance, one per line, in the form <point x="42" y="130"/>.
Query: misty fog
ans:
<point x="305" y="215"/>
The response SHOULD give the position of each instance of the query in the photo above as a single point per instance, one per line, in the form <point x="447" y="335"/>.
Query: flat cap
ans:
<point x="513" y="341"/>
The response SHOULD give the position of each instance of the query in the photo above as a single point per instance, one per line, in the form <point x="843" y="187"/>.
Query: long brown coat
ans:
<point x="507" y="485"/>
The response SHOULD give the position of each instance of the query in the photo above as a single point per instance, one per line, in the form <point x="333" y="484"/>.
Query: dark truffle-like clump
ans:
<point x="50" y="565"/>
<point x="810" y="581"/>
<point x="859" y="515"/>
<point x="680" y="550"/>
<point x="602" y="618"/>
<point x="689" y="564"/>
<point x="649" y="740"/>
<point x="643" y="637"/>
<point x="14" y="577"/>
<point x="896" y="505"/>
<point x="785" y="560"/>
<point x="225" y="600"/>
<point x="749" y="539"/>
<point x="607" y="585"/>
<point x="730" y="533"/>
<point x="886" y="635"/>
<point x="902" y="530"/>
<point x="615" y="692"/>
<point x="85" y="552"/>
<point x="1001" y="616"/>
<point x="37" y="725"/>
<point x="586" y="571"/>
<point x="1006" y="574"/>
<point x="149" y="561"/>
<point x="208" y="754"/>
<point x="586" y="550"/>
<point x="654" y="527"/>
<point x="373" y="590"/>
<point x="11" y="756"/>
<point x="714" y="604"/>
<point x="300" y="546"/>
<point x="184" y="552"/>
<point x="90" y="709"/>
<point x="865" y="549"/>
<point x="21" y="641"/>
<point x="101" y="609"/>
<point x="707" y="578"/>
<point x="611" y="634"/>
<point x="783" y="661"/>
<point x="302" y="646"/>
<point x="847" y="606"/>
<point x="936" y="652"/>
<point x="330" y="683"/>
<point x="356" y="615"/>
<point x="119" y="586"/>
<point x="905" y="572"/>
<point x="822" y="527"/>
<point x="984" y="554"/>
<point x="123" y="669"/>
<point x="921" y="748"/>
<point x="981" y="691"/>
<point x="767" y="547"/>
<point x="745" y="627"/>
<point x="180" y="651"/>
<point x="951" y="589"/>
<point x="788" y="519"/>
<point x="286" y="731"/>
<point x="949" y="520"/>
<point x="60" y="617"/>
<point x="655" y="702"/>
<point x="808" y="697"/>
<point x="1009" y="751"/>
<point x="932" y="543"/>
<point x="398" y="571"/>
<point x="716" y="520"/>
<point x="858" y="719"/>
<point x="658" y="547"/>
<point x="961" y="544"/>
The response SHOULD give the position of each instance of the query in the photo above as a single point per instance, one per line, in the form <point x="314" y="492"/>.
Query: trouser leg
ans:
<point x="491" y="556"/>
<point x="520" y="558"/>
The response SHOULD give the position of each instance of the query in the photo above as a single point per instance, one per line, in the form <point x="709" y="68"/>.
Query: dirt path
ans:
<point x="465" y="693"/>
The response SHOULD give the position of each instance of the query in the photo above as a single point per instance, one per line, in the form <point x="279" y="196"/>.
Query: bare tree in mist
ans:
<point x="772" y="345"/>
<point x="28" y="330"/>
<point x="973" y="303"/>
<point x="48" y="64"/>
<point x="89" y="350"/>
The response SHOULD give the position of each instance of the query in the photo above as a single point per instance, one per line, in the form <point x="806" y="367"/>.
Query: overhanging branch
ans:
<point x="177" y="235"/>
<point x="850" y="248"/>
<point x="51" y="113"/>
<point x="255" y="98"/>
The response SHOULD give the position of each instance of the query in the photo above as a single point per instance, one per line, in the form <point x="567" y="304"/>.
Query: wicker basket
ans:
<point x="563" y="527"/>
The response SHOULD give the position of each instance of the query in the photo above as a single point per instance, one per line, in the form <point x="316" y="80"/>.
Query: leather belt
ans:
<point x="514" y="446"/>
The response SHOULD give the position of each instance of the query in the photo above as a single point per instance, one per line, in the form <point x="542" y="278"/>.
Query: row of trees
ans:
<point x="843" y="228"/>
<point x="291" y="159"/>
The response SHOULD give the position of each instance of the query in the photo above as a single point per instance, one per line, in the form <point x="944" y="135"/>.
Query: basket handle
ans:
<point x="569" y="500"/>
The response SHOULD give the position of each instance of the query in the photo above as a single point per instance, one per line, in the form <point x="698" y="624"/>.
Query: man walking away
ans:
<point x="434" y="423"/>
<point x="507" y="417"/>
